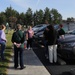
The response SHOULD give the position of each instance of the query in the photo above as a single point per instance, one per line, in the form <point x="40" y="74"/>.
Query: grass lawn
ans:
<point x="4" y="64"/>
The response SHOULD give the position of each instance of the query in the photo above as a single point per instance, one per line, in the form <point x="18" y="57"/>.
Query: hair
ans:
<point x="60" y="25"/>
<point x="51" y="28"/>
<point x="29" y="27"/>
<point x="2" y="26"/>
<point x="19" y="26"/>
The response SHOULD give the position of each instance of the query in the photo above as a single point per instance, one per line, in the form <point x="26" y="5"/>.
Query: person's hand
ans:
<point x="5" y="40"/>
<point x="18" y="45"/>
<point x="14" y="43"/>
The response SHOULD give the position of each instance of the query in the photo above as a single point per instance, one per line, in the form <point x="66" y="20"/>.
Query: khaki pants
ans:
<point x="52" y="53"/>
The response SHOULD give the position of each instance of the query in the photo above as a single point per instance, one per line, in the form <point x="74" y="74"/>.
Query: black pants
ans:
<point x="29" y="42"/>
<point x="18" y="53"/>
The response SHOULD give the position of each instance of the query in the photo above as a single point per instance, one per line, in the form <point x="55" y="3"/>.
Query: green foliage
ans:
<point x="2" y="17"/>
<point x="30" y="18"/>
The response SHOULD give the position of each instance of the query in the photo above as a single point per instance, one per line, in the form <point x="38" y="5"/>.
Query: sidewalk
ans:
<point x="32" y="63"/>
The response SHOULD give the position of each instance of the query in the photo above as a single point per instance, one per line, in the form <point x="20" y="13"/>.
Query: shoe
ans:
<point x="28" y="48"/>
<point x="31" y="49"/>
<point x="15" y="67"/>
<point x="22" y="68"/>
<point x="46" y="56"/>
<point x="3" y="59"/>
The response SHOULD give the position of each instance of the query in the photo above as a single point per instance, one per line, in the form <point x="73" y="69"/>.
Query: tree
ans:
<point x="35" y="17"/>
<point x="56" y="16"/>
<point x="29" y="16"/>
<point x="2" y="18"/>
<point x="47" y="15"/>
<point x="10" y="12"/>
<point x="40" y="16"/>
<point x="21" y="18"/>
<point x="12" y="21"/>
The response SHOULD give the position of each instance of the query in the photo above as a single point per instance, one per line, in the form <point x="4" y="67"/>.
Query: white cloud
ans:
<point x="21" y="3"/>
<point x="37" y="2"/>
<point x="26" y="3"/>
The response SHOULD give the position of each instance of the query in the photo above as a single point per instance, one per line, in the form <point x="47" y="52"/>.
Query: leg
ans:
<point x="50" y="48"/>
<point x="55" y="53"/>
<point x="27" y="43"/>
<point x="15" y="57"/>
<point x="46" y="47"/>
<point x="31" y="40"/>
<point x="21" y="58"/>
<point x="2" y="50"/>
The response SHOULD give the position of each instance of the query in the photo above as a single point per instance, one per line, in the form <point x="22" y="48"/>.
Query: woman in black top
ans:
<point x="51" y="38"/>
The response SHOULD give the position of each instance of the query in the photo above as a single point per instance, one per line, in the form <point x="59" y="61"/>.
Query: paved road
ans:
<point x="54" y="69"/>
<point x="32" y="63"/>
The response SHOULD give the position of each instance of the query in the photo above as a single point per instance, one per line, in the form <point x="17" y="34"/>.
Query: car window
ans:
<point x="37" y="26"/>
<point x="56" y="27"/>
<point x="42" y="28"/>
<point x="73" y="32"/>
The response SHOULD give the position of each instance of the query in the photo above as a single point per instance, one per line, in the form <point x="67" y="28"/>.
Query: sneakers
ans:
<point x="15" y="67"/>
<point x="30" y="48"/>
<point x="46" y="56"/>
<point x="22" y="67"/>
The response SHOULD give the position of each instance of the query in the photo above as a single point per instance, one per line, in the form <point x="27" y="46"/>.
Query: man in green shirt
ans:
<point x="18" y="39"/>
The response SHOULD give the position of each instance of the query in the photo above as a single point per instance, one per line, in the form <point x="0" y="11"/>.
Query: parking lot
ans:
<point x="66" y="62"/>
<point x="55" y="68"/>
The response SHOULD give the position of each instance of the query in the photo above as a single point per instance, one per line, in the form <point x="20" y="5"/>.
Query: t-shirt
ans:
<point x="30" y="33"/>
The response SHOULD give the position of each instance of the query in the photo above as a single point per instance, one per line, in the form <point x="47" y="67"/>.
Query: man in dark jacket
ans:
<point x="18" y="39"/>
<point x="51" y="37"/>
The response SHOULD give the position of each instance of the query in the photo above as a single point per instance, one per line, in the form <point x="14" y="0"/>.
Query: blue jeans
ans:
<point x="18" y="53"/>
<point x="3" y="45"/>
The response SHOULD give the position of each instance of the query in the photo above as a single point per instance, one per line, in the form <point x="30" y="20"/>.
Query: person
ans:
<point x="3" y="40"/>
<point x="18" y="39"/>
<point x="29" y="37"/>
<point x="51" y="43"/>
<point x="26" y="38"/>
<point x="61" y="32"/>
<point x="7" y="27"/>
<point x="45" y="40"/>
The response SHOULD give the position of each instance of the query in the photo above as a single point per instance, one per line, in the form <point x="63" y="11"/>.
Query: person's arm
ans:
<point x="27" y="35"/>
<point x="23" y="38"/>
<point x="12" y="39"/>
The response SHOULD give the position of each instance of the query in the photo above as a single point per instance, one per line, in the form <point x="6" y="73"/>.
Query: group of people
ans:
<point x="18" y="39"/>
<point x="51" y="36"/>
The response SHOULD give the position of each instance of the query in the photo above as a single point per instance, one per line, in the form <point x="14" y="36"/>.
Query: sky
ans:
<point x="65" y="7"/>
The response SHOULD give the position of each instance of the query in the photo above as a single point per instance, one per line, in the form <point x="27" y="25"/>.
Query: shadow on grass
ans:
<point x="8" y="47"/>
<point x="3" y="74"/>
<point x="4" y="64"/>
<point x="8" y="55"/>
